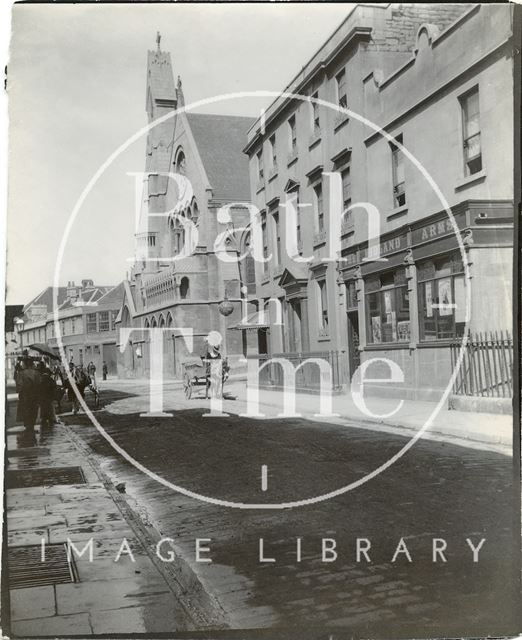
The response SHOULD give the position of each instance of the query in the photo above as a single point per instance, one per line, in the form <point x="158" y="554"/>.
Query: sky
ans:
<point x="76" y="89"/>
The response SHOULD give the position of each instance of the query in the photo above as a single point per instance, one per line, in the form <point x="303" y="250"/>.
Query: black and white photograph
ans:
<point x="262" y="292"/>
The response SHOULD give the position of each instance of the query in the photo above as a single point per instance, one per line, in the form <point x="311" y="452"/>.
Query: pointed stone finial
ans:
<point x="179" y="93"/>
<point x="158" y="40"/>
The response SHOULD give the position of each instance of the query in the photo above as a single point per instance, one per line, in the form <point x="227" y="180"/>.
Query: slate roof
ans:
<point x="220" y="141"/>
<point x="114" y="296"/>
<point x="46" y="298"/>
<point x="93" y="294"/>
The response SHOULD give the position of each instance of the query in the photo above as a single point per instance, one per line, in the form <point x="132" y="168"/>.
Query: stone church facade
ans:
<point x="170" y="284"/>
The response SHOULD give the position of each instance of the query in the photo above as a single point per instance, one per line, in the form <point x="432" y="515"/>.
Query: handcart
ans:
<point x="196" y="373"/>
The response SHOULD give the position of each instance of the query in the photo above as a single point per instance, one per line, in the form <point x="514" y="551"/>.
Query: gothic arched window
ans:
<point x="180" y="163"/>
<point x="184" y="288"/>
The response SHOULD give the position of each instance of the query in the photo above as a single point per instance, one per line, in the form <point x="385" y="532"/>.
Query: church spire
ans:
<point x="161" y="89"/>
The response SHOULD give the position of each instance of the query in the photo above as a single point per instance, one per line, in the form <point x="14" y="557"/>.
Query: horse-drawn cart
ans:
<point x="197" y="373"/>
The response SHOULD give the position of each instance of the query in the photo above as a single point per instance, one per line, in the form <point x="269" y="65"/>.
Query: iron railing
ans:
<point x="307" y="375"/>
<point x="487" y="365"/>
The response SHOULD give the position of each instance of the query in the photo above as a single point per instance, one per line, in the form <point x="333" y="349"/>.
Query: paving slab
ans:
<point x="73" y="625"/>
<point x="160" y="617"/>
<point x="33" y="602"/>
<point x="109" y="594"/>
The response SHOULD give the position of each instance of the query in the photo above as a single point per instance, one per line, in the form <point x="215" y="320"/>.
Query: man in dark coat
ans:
<point x="47" y="396"/>
<point x="28" y="386"/>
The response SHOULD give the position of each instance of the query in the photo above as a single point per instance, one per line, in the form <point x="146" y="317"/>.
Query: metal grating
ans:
<point x="22" y="478"/>
<point x="26" y="568"/>
<point x="28" y="452"/>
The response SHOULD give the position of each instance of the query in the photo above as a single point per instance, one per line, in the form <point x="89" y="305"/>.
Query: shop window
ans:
<point x="399" y="191"/>
<point x="104" y="321"/>
<point x="471" y="132"/>
<point x="387" y="307"/>
<point x="442" y="300"/>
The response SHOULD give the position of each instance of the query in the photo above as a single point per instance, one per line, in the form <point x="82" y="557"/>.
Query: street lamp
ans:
<point x="225" y="308"/>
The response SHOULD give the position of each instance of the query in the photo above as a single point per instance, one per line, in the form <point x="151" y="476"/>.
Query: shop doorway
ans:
<point x="354" y="355"/>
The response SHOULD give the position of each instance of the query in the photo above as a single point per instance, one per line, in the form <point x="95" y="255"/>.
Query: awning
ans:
<point x="253" y="322"/>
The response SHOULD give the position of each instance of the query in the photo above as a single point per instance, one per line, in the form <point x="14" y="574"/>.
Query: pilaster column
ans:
<point x="359" y="288"/>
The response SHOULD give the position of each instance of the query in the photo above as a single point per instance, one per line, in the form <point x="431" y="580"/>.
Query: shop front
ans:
<point x="411" y="302"/>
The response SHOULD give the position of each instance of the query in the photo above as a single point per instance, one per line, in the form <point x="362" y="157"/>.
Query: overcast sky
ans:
<point x="76" y="85"/>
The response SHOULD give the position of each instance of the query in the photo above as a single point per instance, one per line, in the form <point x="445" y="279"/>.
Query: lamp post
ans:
<point x="225" y="308"/>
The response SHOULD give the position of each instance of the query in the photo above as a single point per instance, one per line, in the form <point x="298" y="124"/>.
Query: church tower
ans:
<point x="161" y="98"/>
<point x="178" y="279"/>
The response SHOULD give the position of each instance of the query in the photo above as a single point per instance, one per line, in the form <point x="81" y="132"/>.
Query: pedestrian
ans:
<point x="60" y="386"/>
<point x="28" y="387"/>
<point x="91" y="369"/>
<point x="47" y="395"/>
<point x="214" y="365"/>
<point x="105" y="370"/>
<point x="81" y="380"/>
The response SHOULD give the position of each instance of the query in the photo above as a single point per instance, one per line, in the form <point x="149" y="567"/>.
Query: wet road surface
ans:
<point x="436" y="490"/>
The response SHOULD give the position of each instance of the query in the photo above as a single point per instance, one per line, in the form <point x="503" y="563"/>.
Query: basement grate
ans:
<point x="28" y="452"/>
<point x="24" y="478"/>
<point x="26" y="568"/>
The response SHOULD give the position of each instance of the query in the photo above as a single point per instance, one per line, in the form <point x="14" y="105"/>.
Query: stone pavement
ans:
<point x="107" y="596"/>
<point x="486" y="431"/>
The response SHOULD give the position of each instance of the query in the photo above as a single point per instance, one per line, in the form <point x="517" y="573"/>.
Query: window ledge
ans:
<point x="444" y="342"/>
<point x="347" y="227"/>
<point x="278" y="270"/>
<point x="470" y="180"/>
<point x="384" y="346"/>
<point x="314" y="139"/>
<point x="292" y="157"/>
<point x="398" y="212"/>
<point x="323" y="337"/>
<point x="319" y="238"/>
<point x="260" y="186"/>
<point x="340" y="119"/>
<point x="272" y="174"/>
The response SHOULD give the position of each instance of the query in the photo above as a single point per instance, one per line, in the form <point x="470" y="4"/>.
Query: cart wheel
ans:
<point x="187" y="387"/>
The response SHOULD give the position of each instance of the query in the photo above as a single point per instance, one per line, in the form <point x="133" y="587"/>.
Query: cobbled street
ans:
<point x="436" y="490"/>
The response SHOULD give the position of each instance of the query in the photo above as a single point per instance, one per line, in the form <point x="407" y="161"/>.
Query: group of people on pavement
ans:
<point x="41" y="386"/>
